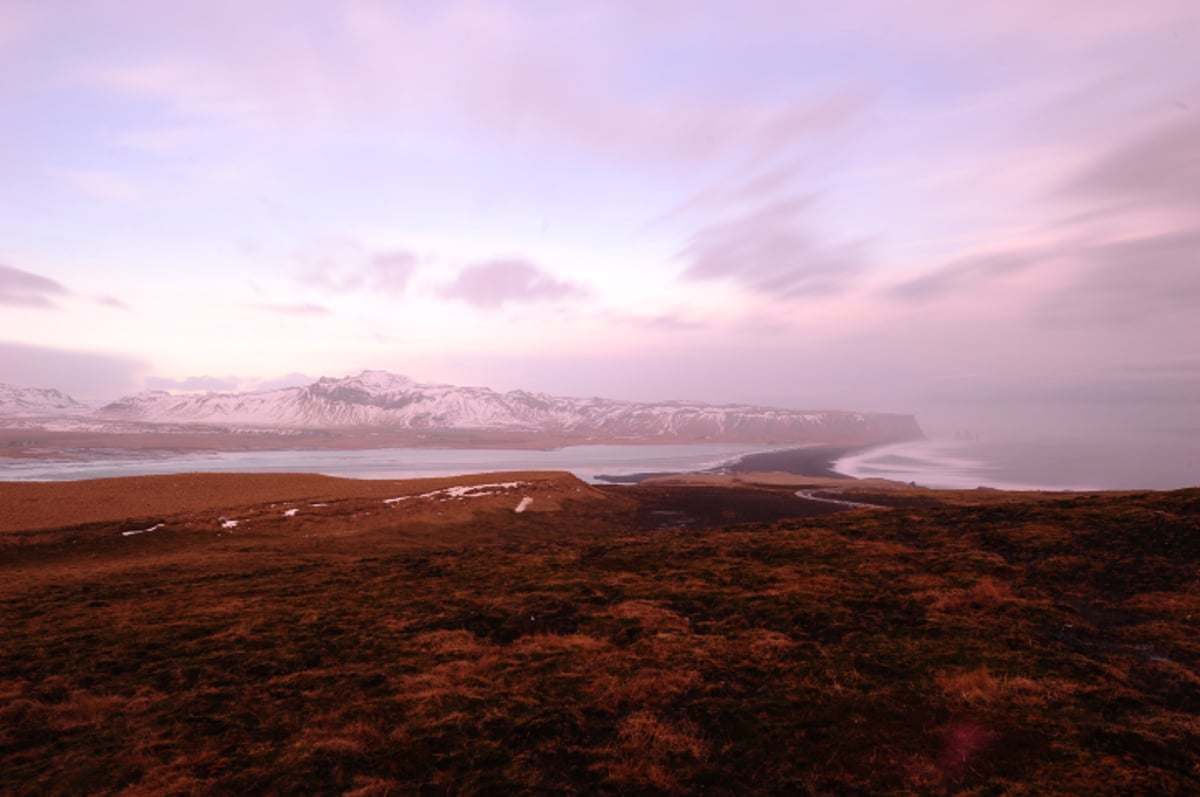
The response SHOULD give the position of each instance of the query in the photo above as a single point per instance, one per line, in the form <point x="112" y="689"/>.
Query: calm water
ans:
<point x="1159" y="462"/>
<point x="586" y="462"/>
<point x="1070" y="464"/>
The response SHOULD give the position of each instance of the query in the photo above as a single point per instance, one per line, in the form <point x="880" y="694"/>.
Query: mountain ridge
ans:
<point x="35" y="401"/>
<point x="379" y="399"/>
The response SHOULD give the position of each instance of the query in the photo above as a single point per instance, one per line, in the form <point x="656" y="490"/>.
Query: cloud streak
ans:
<point x="293" y="308"/>
<point x="772" y="250"/>
<point x="1159" y="168"/>
<point x="24" y="289"/>
<point x="1142" y="280"/>
<point x="967" y="273"/>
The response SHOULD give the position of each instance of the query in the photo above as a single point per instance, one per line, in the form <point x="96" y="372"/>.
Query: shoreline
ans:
<point x="598" y="463"/>
<point x="816" y="460"/>
<point x="31" y="443"/>
<point x="813" y="461"/>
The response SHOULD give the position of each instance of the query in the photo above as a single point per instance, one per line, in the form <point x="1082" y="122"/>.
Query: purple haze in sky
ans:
<point x="987" y="214"/>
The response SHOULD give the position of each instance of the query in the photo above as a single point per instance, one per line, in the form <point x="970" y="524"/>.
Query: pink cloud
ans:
<point x="346" y="266"/>
<point x="389" y="272"/>
<point x="497" y="282"/>
<point x="294" y="308"/>
<point x="112" y="301"/>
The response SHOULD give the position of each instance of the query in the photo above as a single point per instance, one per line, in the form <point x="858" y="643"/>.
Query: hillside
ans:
<point x="16" y="402"/>
<point x="649" y="640"/>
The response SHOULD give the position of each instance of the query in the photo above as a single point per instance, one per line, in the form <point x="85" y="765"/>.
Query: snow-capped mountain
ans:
<point x="38" y="402"/>
<point x="381" y="399"/>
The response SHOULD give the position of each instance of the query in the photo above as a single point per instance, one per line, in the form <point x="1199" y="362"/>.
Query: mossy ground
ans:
<point x="1040" y="646"/>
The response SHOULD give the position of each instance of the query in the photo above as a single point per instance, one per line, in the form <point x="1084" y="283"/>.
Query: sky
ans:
<point x="971" y="211"/>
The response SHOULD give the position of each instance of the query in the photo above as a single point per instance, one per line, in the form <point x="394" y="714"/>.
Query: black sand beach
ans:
<point x="814" y="461"/>
<point x="807" y="461"/>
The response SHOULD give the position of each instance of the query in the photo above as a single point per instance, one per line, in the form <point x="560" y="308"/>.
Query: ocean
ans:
<point x="1065" y="463"/>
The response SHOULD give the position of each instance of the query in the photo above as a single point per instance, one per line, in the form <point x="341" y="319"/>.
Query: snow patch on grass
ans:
<point x="155" y="527"/>
<point x="461" y="491"/>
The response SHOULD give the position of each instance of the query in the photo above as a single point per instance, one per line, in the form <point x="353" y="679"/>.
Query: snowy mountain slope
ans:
<point x="37" y="402"/>
<point x="380" y="399"/>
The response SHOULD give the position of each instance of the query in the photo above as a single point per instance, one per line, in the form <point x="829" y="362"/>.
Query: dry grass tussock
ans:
<point x="650" y="751"/>
<point x="985" y="593"/>
<point x="981" y="688"/>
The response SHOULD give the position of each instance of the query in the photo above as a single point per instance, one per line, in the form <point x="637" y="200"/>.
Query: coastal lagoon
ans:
<point x="1046" y="464"/>
<point x="587" y="462"/>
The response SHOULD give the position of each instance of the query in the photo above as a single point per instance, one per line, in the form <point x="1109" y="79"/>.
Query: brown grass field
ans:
<point x="723" y="637"/>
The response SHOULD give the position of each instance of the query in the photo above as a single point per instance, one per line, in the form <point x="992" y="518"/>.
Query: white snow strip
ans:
<point x="155" y="527"/>
<point x="290" y="512"/>
<point x="229" y="524"/>
<point x="476" y="490"/>
<point x="318" y="504"/>
<point x="461" y="491"/>
<point x="525" y="502"/>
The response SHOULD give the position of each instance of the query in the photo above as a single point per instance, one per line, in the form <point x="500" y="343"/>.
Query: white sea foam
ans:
<point x="966" y="465"/>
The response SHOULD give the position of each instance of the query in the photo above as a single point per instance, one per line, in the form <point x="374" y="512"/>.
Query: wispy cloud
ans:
<point x="193" y="384"/>
<point x="1142" y="280"/>
<point x="972" y="272"/>
<point x="389" y="272"/>
<point x="25" y="289"/>
<point x="675" y="321"/>
<point x="1160" y="168"/>
<point x="104" y="185"/>
<point x="112" y="301"/>
<point x="346" y="266"/>
<point x="498" y="282"/>
<point x="293" y="308"/>
<point x="772" y="250"/>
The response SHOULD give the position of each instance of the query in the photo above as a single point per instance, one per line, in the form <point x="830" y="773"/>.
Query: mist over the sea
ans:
<point x="1097" y="444"/>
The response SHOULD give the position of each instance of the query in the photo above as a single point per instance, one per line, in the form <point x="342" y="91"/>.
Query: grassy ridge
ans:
<point x="1028" y="647"/>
